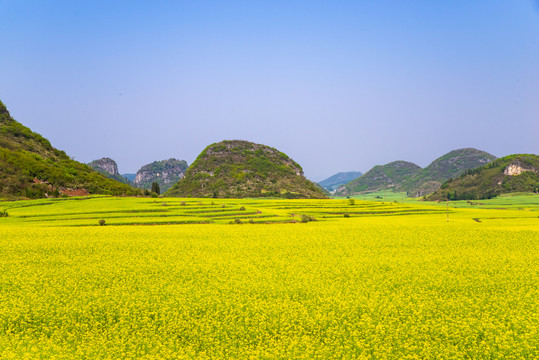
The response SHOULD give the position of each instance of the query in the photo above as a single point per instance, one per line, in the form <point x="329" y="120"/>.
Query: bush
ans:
<point x="346" y="215"/>
<point x="242" y="208"/>
<point x="4" y="213"/>
<point x="352" y="201"/>
<point x="306" y="218"/>
<point x="101" y="222"/>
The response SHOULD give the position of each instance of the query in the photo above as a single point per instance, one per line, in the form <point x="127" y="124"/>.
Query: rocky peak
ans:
<point x="105" y="165"/>
<point x="166" y="173"/>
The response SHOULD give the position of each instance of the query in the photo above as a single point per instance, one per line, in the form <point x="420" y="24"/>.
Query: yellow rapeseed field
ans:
<point x="173" y="279"/>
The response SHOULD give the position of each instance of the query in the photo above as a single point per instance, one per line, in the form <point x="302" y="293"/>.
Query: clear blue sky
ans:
<point x="337" y="85"/>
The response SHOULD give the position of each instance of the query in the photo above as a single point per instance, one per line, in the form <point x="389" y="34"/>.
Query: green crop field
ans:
<point x="171" y="278"/>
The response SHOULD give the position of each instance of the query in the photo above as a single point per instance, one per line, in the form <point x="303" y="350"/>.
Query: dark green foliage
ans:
<point x="238" y="169"/>
<point x="31" y="167"/>
<point x="101" y="222"/>
<point x="155" y="188"/>
<point x="4" y="213"/>
<point x="493" y="179"/>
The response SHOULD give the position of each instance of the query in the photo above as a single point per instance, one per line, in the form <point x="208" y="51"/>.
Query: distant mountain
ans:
<point x="130" y="177"/>
<point x="30" y="167"/>
<point x="166" y="173"/>
<point x="381" y="177"/>
<point x="239" y="169"/>
<point x="334" y="181"/>
<point x="513" y="173"/>
<point x="109" y="168"/>
<point x="447" y="166"/>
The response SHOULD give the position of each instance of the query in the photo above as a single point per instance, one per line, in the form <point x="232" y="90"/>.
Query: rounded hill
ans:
<point x="381" y="177"/>
<point x="445" y="167"/>
<point x="239" y="169"/>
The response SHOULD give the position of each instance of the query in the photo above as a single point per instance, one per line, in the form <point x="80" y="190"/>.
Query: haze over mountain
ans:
<point x="31" y="167"/>
<point x="513" y="173"/>
<point x="239" y="169"/>
<point x="334" y="181"/>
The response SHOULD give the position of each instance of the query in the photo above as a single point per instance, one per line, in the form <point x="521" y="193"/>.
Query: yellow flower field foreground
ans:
<point x="388" y="281"/>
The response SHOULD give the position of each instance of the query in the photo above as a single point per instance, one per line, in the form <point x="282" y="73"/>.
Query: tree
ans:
<point x="155" y="188"/>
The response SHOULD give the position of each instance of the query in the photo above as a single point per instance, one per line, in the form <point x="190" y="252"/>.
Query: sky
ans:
<point x="337" y="85"/>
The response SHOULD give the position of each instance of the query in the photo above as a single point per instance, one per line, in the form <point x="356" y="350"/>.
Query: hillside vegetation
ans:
<point x="450" y="165"/>
<point x="239" y="169"/>
<point x="513" y="173"/>
<point x="381" y="177"/>
<point x="31" y="167"/>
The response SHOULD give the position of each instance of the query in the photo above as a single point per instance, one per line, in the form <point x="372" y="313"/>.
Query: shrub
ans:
<point x="4" y="213"/>
<point x="352" y="201"/>
<point x="306" y="218"/>
<point x="346" y="215"/>
<point x="101" y="222"/>
<point x="238" y="221"/>
<point x="242" y="208"/>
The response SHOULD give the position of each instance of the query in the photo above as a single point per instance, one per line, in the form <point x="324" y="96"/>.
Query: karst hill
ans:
<point x="239" y="169"/>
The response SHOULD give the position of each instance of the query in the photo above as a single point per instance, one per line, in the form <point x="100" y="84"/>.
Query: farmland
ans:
<point x="219" y="278"/>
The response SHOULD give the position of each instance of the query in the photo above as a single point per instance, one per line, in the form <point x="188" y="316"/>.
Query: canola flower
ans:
<point x="372" y="286"/>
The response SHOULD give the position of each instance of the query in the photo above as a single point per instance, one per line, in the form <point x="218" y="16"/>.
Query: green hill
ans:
<point x="31" y="167"/>
<point x="513" y="173"/>
<point x="381" y="177"/>
<point x="333" y="182"/>
<point x="450" y="165"/>
<point x="239" y="169"/>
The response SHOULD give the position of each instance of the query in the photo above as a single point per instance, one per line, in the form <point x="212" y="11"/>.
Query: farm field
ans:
<point x="173" y="278"/>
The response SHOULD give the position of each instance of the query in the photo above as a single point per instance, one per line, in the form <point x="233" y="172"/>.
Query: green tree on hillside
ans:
<point x="155" y="188"/>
